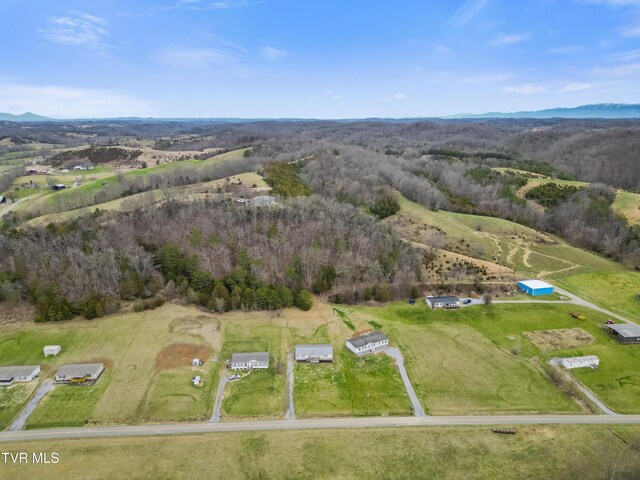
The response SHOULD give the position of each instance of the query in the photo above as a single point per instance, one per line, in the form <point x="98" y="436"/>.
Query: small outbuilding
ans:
<point x="443" y="302"/>
<point x="314" y="353"/>
<point x="535" y="288"/>
<point x="196" y="381"/>
<point x="59" y="186"/>
<point x="626" y="333"/>
<point x="250" y="361"/>
<point x="22" y="373"/>
<point x="52" y="350"/>
<point x="3" y="199"/>
<point x="79" y="372"/>
<point x="263" y="201"/>
<point x="196" y="362"/>
<point x="368" y="343"/>
<point x="590" y="361"/>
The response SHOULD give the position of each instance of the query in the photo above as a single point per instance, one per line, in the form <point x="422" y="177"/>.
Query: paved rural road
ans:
<point x="396" y="354"/>
<point x="312" y="424"/>
<point x="291" y="414"/>
<point x="44" y="388"/>
<point x="217" y="407"/>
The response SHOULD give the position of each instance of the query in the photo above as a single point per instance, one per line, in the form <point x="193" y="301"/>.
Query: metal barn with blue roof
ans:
<point x="535" y="287"/>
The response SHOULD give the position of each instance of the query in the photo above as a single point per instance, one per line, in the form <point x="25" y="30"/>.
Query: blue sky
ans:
<point x="314" y="58"/>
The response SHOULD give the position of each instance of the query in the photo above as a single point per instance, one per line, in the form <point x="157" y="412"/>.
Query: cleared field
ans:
<point x="437" y="452"/>
<point x="628" y="205"/>
<point x="11" y="401"/>
<point x="458" y="371"/>
<point x="617" y="380"/>
<point x="616" y="291"/>
<point x="129" y="345"/>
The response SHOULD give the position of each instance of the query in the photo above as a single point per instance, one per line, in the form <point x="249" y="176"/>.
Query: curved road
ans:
<point x="309" y="424"/>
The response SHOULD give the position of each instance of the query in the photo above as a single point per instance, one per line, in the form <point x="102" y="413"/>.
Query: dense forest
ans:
<point x="333" y="181"/>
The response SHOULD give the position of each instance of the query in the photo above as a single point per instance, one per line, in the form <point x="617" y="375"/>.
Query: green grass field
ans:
<point x="615" y="291"/>
<point x="616" y="381"/>
<point x="456" y="370"/>
<point x="628" y="205"/>
<point x="535" y="452"/>
<point x="129" y="344"/>
<point x="12" y="399"/>
<point x="69" y="405"/>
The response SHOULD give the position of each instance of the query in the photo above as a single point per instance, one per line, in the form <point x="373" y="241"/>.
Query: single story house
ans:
<point x="590" y="361"/>
<point x="314" y="353"/>
<point x="369" y="342"/>
<point x="625" y="332"/>
<point x="79" y="372"/>
<point x="535" y="287"/>
<point x="443" y="302"/>
<point x="250" y="361"/>
<point x="23" y="373"/>
<point x="52" y="350"/>
<point x="263" y="201"/>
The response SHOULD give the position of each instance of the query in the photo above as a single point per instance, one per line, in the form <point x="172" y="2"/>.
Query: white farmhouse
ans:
<point x="590" y="361"/>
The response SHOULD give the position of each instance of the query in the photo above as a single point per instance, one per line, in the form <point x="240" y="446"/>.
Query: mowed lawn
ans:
<point x="615" y="291"/>
<point x="617" y="380"/>
<point x="259" y="393"/>
<point x="535" y="452"/>
<point x="456" y="370"/>
<point x="128" y="344"/>
<point x="12" y="399"/>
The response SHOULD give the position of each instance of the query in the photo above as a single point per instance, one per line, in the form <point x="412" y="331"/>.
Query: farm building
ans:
<point x="535" y="287"/>
<point x="443" y="302"/>
<point x="196" y="362"/>
<point x="79" y="372"/>
<point x="367" y="343"/>
<point x="196" y="380"/>
<point x="250" y="361"/>
<point x="23" y="373"/>
<point x="590" y="361"/>
<point x="314" y="353"/>
<point x="3" y="199"/>
<point x="625" y="332"/>
<point x="263" y="201"/>
<point x="59" y="186"/>
<point x="52" y="350"/>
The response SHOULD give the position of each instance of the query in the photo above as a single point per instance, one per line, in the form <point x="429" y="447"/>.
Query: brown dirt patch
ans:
<point x="180" y="355"/>
<point x="549" y="340"/>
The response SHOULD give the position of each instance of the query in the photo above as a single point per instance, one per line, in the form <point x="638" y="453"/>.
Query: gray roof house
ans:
<point x="250" y="361"/>
<point x="440" y="302"/>
<point x="263" y="201"/>
<point x="79" y="372"/>
<point x="314" y="353"/>
<point x="625" y="332"/>
<point x="23" y="373"/>
<point x="367" y="343"/>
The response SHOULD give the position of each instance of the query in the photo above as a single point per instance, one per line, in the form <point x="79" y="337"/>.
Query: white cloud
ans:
<point x="565" y="50"/>
<point x="442" y="49"/>
<point x="270" y="53"/>
<point x="71" y="102"/>
<point x="219" y="5"/>
<point x="194" y="58"/>
<point x="395" y="96"/>
<point x="81" y="29"/>
<point x="632" y="31"/>
<point x="628" y="56"/>
<point x="525" y="89"/>
<point x="507" y="39"/>
<point x="622" y="70"/>
<point x="574" y="87"/>
<point x="467" y="11"/>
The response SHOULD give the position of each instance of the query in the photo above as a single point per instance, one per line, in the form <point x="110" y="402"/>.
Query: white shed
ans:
<point x="196" y="380"/>
<point x="196" y="362"/>
<point x="590" y="361"/>
<point x="52" y="350"/>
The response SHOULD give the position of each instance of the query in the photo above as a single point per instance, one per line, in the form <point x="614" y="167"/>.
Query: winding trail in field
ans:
<point x="46" y="387"/>
<point x="396" y="354"/>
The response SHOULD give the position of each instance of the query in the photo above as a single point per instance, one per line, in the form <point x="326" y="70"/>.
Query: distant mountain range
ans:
<point x="598" y="110"/>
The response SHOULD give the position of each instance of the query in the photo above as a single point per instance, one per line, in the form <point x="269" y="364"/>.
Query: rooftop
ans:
<point x="626" y="329"/>
<point x="80" y="369"/>
<point x="443" y="299"/>
<point x="314" y="350"/>
<point x="535" y="284"/>
<point x="250" y="357"/>
<point x="367" y="338"/>
<point x="7" y="373"/>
